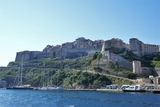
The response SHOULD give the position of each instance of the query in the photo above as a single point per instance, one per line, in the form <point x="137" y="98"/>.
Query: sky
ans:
<point x="33" y="24"/>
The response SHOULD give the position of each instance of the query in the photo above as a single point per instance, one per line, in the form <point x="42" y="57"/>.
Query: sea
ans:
<point x="34" y="98"/>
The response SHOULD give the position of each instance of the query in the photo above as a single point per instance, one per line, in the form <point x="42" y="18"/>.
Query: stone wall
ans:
<point x="146" y="71"/>
<point x="117" y="59"/>
<point x="27" y="55"/>
<point x="140" y="49"/>
<point x="116" y="43"/>
<point x="80" y="47"/>
<point x="137" y="69"/>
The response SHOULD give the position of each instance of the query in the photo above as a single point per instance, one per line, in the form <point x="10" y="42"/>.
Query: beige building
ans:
<point x="149" y="49"/>
<point x="137" y="67"/>
<point x="136" y="46"/>
<point x="139" y="48"/>
<point x="103" y="48"/>
<point x="115" y="43"/>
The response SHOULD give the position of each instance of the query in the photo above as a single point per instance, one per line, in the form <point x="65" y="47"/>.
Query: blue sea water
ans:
<point x="29" y="98"/>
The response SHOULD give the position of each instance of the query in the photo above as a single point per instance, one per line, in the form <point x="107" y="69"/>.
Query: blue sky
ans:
<point x="33" y="24"/>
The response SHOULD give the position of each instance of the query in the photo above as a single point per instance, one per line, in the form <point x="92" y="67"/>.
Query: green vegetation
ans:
<point x="156" y="64"/>
<point x="71" y="73"/>
<point x="97" y="56"/>
<point x="55" y="72"/>
<point x="119" y="81"/>
<point x="132" y="76"/>
<point x="85" y="80"/>
<point x="115" y="69"/>
<point x="65" y="78"/>
<point x="151" y="60"/>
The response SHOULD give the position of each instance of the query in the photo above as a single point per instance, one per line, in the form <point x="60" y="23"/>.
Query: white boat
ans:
<point x="124" y="86"/>
<point x="46" y="85"/>
<point x="55" y="88"/>
<point x="23" y="87"/>
<point x="49" y="88"/>
<point x="134" y="88"/>
<point x="19" y="84"/>
<point x="41" y="88"/>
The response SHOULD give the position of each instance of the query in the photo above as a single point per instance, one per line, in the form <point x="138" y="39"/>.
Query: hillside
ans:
<point x="54" y="71"/>
<point x="79" y="64"/>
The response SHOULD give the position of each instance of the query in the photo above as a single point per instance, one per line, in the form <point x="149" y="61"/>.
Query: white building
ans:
<point x="103" y="48"/>
<point x="137" y="67"/>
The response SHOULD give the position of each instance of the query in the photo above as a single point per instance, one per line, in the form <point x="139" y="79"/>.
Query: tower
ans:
<point x="105" y="53"/>
<point x="103" y="48"/>
<point x="137" y="67"/>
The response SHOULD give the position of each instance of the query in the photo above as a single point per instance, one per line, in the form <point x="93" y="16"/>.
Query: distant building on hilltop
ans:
<point x="115" y="43"/>
<point x="83" y="47"/>
<point x="140" y="49"/>
<point x="115" y="58"/>
<point x="135" y="45"/>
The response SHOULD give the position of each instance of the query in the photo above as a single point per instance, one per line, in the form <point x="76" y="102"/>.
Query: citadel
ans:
<point x="136" y="46"/>
<point x="83" y="47"/>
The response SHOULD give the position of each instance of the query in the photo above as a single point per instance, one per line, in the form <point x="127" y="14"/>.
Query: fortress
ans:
<point x="136" y="46"/>
<point x="83" y="47"/>
<point x="140" y="49"/>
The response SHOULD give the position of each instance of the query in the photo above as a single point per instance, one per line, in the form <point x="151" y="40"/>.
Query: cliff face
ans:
<point x="80" y="47"/>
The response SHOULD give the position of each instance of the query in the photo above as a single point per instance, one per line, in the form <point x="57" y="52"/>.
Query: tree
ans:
<point x="132" y="76"/>
<point x="95" y="56"/>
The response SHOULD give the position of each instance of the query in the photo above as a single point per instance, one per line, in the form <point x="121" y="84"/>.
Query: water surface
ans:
<point x="29" y="98"/>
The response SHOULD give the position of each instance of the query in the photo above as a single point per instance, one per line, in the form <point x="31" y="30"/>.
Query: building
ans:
<point x="137" y="67"/>
<point x="155" y="80"/>
<point x="115" y="58"/>
<point x="115" y="43"/>
<point x="136" y="46"/>
<point x="103" y="48"/>
<point x="149" y="49"/>
<point x="140" y="49"/>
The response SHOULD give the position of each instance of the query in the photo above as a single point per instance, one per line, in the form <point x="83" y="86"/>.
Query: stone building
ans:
<point x="149" y="49"/>
<point x="103" y="48"/>
<point x="155" y="80"/>
<point x="137" y="67"/>
<point x="83" y="47"/>
<point x="115" y="43"/>
<point x="136" y="46"/>
<point x="115" y="58"/>
<point x="140" y="49"/>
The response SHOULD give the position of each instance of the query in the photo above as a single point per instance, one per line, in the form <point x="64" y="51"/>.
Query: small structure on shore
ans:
<point x="156" y="80"/>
